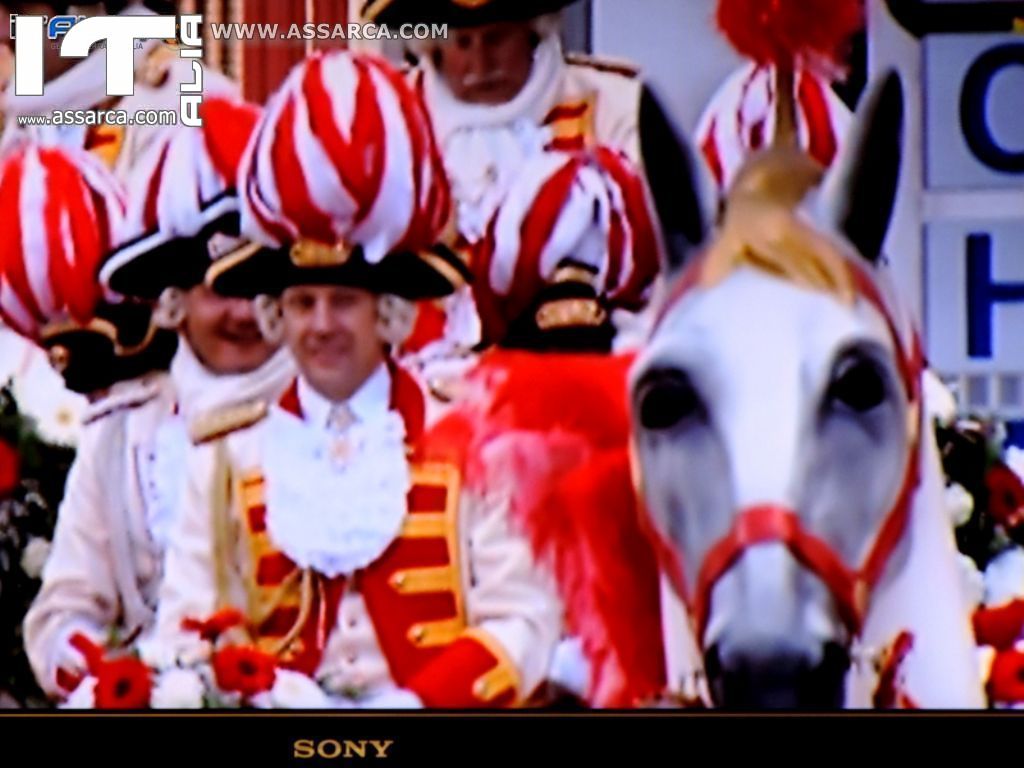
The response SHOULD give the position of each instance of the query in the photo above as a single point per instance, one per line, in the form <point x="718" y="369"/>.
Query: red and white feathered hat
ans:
<point x="740" y="120"/>
<point x="345" y="175"/>
<point x="796" y="47"/>
<point x="579" y="221"/>
<point x="63" y="208"/>
<point x="183" y="205"/>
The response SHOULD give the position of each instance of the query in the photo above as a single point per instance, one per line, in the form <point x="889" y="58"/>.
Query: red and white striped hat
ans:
<point x="63" y="209"/>
<point x="576" y="209"/>
<point x="345" y="156"/>
<point x="740" y="120"/>
<point x="183" y="204"/>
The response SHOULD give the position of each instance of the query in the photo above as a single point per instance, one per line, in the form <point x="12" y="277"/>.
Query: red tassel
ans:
<point x="790" y="32"/>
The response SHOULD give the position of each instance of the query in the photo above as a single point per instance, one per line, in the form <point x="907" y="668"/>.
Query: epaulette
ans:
<point x="123" y="400"/>
<point x="617" y="66"/>
<point x="224" y="421"/>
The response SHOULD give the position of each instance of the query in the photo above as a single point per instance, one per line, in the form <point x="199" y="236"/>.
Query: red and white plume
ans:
<point x="587" y="207"/>
<point x="186" y="181"/>
<point x="345" y="153"/>
<point x="63" y="208"/>
<point x="807" y="39"/>
<point x="740" y="120"/>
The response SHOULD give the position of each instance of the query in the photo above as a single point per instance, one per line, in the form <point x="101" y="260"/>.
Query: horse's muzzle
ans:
<point x="782" y="681"/>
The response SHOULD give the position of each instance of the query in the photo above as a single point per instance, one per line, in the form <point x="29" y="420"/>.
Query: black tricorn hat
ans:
<point x="120" y="342"/>
<point x="457" y="13"/>
<point x="412" y="275"/>
<point x="144" y="266"/>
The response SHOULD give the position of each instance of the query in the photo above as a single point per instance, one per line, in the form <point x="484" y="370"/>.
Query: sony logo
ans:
<point x="331" y="749"/>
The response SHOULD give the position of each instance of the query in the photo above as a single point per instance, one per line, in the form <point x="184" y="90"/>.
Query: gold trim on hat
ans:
<point x="442" y="266"/>
<point x="471" y="3"/>
<point x="229" y="262"/>
<point x="574" y="274"/>
<point x="312" y="253"/>
<point x="102" y="327"/>
<point x="374" y="8"/>
<point x="565" y="313"/>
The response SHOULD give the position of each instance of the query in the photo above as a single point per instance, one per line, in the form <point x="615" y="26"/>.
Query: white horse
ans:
<point x="789" y="471"/>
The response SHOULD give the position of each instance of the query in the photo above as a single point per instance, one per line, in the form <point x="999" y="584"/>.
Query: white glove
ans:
<point x="391" y="698"/>
<point x="570" y="667"/>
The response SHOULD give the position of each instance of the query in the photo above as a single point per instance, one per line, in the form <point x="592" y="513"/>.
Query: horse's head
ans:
<point x="776" y="411"/>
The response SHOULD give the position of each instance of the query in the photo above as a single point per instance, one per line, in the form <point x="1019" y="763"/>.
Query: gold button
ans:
<point x="480" y="689"/>
<point x="417" y="633"/>
<point x="397" y="580"/>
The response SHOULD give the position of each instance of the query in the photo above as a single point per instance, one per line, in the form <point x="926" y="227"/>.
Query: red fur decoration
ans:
<point x="557" y="428"/>
<point x="790" y="32"/>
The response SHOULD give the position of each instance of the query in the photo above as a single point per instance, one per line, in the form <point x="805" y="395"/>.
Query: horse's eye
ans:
<point x="858" y="384"/>
<point x="665" y="398"/>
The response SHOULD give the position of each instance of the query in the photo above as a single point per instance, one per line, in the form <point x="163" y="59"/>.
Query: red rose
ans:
<point x="10" y="468"/>
<point x="123" y="684"/>
<point x="245" y="670"/>
<point x="1005" y="496"/>
<point x="212" y="628"/>
<point x="1006" y="680"/>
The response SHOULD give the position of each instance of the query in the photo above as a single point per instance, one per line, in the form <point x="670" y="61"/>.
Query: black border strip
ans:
<point x="921" y="18"/>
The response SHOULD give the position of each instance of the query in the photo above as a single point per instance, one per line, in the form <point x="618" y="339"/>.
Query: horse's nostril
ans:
<point x="781" y="681"/>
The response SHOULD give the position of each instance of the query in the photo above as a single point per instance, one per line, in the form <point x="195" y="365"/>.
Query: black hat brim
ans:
<point x="120" y="343"/>
<point x="408" y="274"/>
<point x="394" y="13"/>
<point x="143" y="267"/>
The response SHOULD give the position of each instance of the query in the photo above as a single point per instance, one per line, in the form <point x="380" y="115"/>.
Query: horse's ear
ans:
<point x="859" y="192"/>
<point x="680" y="184"/>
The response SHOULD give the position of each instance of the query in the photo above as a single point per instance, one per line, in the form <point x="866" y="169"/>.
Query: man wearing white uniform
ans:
<point x="106" y="566"/>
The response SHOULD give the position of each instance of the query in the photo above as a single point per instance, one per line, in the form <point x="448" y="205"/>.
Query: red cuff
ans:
<point x="68" y="681"/>
<point x="469" y="674"/>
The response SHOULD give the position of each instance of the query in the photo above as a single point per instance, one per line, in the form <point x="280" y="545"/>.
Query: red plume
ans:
<point x="228" y="125"/>
<point x="813" y="33"/>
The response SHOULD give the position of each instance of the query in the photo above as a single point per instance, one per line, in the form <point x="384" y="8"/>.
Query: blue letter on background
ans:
<point x="973" y="100"/>
<point x="983" y="294"/>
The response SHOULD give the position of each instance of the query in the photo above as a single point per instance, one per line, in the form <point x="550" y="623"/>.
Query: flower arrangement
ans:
<point x="33" y="470"/>
<point x="985" y="497"/>
<point x="215" y="674"/>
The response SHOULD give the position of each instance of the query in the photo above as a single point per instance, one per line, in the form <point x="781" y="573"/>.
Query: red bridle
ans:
<point x="851" y="587"/>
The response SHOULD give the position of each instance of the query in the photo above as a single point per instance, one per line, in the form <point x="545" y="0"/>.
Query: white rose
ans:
<point x="178" y="689"/>
<point x="293" y="690"/>
<point x="959" y="504"/>
<point x="154" y="654"/>
<point x="83" y="697"/>
<point x="34" y="556"/>
<point x="57" y="411"/>
<point x="1014" y="459"/>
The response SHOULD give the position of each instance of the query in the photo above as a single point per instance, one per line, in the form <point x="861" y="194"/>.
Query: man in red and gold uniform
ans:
<point x="335" y="519"/>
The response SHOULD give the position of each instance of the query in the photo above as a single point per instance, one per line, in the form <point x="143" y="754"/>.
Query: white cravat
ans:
<point x="336" y="502"/>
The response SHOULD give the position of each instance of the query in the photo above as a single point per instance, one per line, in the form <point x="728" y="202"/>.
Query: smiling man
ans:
<point x="345" y="535"/>
<point x="106" y="566"/>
